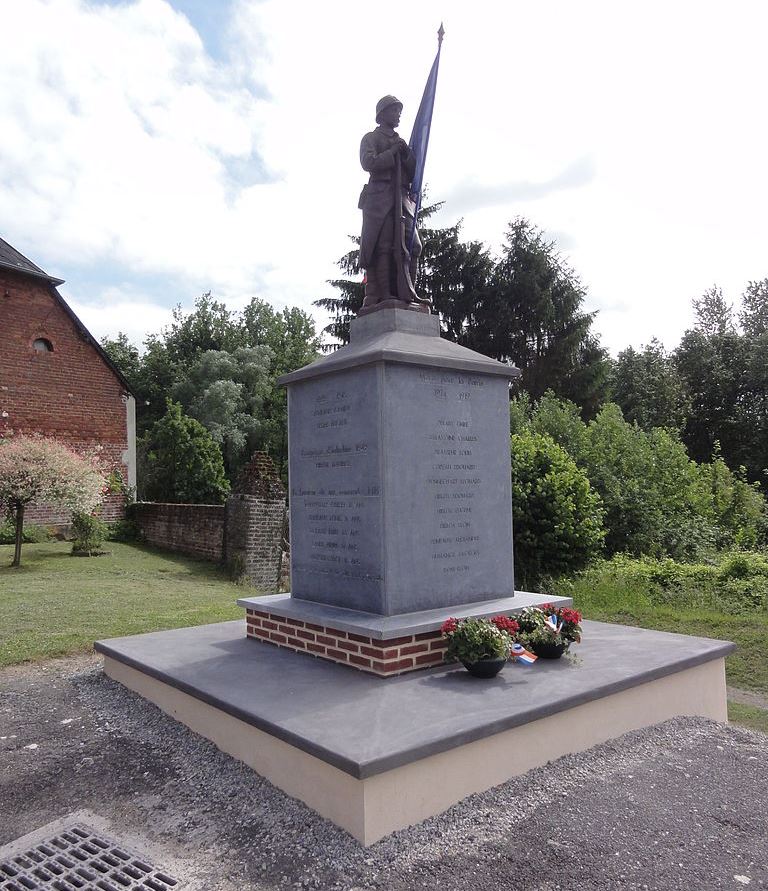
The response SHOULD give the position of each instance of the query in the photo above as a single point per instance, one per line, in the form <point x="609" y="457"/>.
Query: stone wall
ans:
<point x="254" y="525"/>
<point x="194" y="529"/>
<point x="247" y="533"/>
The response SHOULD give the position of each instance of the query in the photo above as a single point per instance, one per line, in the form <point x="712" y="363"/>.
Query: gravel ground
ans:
<point x="679" y="806"/>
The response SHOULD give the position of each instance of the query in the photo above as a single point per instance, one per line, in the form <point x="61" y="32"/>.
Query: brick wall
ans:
<point x="254" y="525"/>
<point x="385" y="658"/>
<point x="254" y="534"/>
<point x="70" y="393"/>
<point x="194" y="529"/>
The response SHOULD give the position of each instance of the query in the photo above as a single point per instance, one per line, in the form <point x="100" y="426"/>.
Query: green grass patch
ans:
<point x="55" y="604"/>
<point x="686" y="600"/>
<point x="748" y="716"/>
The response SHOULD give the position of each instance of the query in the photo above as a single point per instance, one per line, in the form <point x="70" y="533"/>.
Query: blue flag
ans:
<point x="419" y="141"/>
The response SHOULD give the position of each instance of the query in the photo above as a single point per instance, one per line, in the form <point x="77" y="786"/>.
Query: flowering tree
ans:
<point x="34" y="468"/>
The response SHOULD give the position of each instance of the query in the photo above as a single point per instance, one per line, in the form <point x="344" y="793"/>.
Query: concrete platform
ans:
<point x="377" y="755"/>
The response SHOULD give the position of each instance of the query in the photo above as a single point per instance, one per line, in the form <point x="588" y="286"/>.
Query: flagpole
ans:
<point x="436" y="67"/>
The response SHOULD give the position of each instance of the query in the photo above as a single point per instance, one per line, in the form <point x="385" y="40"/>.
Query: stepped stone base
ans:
<point x="376" y="756"/>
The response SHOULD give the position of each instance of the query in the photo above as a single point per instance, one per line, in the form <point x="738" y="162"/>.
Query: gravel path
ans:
<point x="748" y="697"/>
<point x="679" y="806"/>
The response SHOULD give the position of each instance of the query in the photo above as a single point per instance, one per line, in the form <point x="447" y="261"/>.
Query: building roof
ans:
<point x="10" y="258"/>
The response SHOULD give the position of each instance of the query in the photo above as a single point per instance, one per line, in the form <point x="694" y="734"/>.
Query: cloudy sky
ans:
<point x="152" y="150"/>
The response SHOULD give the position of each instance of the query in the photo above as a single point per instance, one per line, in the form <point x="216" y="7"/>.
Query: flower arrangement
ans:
<point x="474" y="640"/>
<point x="547" y="625"/>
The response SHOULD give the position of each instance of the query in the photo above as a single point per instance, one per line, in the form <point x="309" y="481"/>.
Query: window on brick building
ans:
<point x="42" y="345"/>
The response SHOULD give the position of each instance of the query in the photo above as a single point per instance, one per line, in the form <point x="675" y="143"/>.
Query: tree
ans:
<point x="557" y="518"/>
<point x="226" y="392"/>
<point x="44" y="470"/>
<point x="712" y="361"/>
<point x="531" y="314"/>
<point x="125" y="356"/>
<point x="293" y="342"/>
<point x="524" y="307"/>
<point x="182" y="462"/>
<point x="646" y="385"/>
<point x="714" y="315"/>
<point x="169" y="358"/>
<point x="754" y="309"/>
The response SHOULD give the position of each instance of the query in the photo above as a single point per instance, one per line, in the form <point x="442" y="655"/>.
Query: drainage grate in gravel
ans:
<point x="76" y="858"/>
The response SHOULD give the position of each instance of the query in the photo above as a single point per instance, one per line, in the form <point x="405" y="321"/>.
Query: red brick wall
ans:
<point x="70" y="393"/>
<point x="385" y="658"/>
<point x="195" y="529"/>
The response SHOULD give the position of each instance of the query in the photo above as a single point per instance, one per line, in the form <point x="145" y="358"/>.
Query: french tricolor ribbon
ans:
<point x="554" y="624"/>
<point x="522" y="655"/>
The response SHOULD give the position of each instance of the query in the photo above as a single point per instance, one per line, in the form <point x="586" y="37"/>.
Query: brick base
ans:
<point x="385" y="658"/>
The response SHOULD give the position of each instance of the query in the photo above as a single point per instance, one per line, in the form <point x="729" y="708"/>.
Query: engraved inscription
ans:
<point x="452" y="478"/>
<point x="332" y="500"/>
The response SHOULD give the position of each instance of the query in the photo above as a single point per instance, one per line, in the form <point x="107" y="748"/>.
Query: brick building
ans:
<point x="56" y="380"/>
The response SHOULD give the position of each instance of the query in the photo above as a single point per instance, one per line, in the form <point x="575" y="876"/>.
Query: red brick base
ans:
<point x="382" y="657"/>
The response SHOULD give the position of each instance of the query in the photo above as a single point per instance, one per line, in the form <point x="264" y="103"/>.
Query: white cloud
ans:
<point x="126" y="145"/>
<point x="119" y="309"/>
<point x="120" y="127"/>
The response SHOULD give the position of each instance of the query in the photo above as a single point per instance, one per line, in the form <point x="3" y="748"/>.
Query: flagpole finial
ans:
<point x="440" y="33"/>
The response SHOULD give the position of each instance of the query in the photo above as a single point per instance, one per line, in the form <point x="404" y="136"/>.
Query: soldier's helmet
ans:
<point x="385" y="102"/>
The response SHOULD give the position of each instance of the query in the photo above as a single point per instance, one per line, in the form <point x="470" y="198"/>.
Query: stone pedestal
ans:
<point x="400" y="493"/>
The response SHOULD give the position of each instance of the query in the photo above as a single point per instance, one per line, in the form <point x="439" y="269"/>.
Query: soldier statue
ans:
<point x="389" y="244"/>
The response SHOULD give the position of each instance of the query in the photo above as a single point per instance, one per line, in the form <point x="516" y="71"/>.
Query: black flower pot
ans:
<point x="549" y="650"/>
<point x="484" y="668"/>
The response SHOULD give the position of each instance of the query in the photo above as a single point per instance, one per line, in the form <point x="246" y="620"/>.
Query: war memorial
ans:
<point x="401" y="516"/>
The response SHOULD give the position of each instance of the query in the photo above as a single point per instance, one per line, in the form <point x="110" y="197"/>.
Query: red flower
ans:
<point x="504" y="623"/>
<point x="569" y="616"/>
<point x="449" y="626"/>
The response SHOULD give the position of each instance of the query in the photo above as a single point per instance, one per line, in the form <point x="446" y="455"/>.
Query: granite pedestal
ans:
<point x="377" y="756"/>
<point x="400" y="491"/>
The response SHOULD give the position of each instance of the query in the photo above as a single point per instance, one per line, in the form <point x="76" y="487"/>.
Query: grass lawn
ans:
<point x="748" y="716"/>
<point x="55" y="604"/>
<point x="607" y="601"/>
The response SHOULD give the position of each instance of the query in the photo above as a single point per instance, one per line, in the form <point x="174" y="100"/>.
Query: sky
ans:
<point x="152" y="150"/>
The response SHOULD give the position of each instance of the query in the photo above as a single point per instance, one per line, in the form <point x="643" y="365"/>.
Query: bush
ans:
<point x="30" y="535"/>
<point x="89" y="532"/>
<point x="123" y="530"/>
<point x="557" y="517"/>
<point x="657" y="501"/>
<point x="737" y="586"/>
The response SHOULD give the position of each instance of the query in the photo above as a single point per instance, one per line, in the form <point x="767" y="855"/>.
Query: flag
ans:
<point x="522" y="655"/>
<point x="419" y="141"/>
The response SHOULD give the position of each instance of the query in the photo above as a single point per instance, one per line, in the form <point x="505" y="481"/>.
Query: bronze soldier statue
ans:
<point x="389" y="248"/>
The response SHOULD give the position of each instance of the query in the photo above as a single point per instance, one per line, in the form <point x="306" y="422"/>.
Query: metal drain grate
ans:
<point x="79" y="859"/>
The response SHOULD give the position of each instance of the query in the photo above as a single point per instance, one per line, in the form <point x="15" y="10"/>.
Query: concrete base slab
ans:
<point x="375" y="756"/>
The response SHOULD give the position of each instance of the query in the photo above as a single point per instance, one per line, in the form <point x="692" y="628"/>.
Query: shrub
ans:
<point x="738" y="585"/>
<point x="89" y="532"/>
<point x="123" y="530"/>
<point x="30" y="534"/>
<point x="557" y="516"/>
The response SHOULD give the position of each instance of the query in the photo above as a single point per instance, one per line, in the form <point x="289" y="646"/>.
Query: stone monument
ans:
<point x="399" y="469"/>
